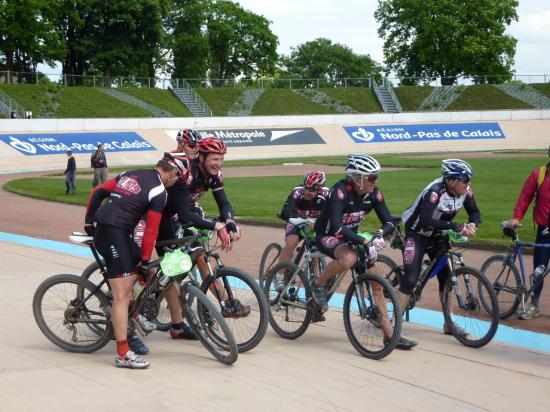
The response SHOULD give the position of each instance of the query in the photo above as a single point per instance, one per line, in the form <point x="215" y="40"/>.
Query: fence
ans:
<point x="7" y="77"/>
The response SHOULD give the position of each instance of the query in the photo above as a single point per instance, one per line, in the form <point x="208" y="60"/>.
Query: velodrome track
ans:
<point x="320" y="371"/>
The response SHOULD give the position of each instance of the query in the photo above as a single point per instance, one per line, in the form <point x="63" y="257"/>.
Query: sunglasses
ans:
<point x="371" y="178"/>
<point x="465" y="181"/>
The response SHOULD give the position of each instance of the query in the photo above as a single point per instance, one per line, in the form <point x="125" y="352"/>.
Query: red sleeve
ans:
<point x="527" y="194"/>
<point x="150" y="234"/>
<point x="98" y="194"/>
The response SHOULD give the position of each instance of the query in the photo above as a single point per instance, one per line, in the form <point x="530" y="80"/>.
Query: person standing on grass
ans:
<point x="99" y="164"/>
<point x="70" y="173"/>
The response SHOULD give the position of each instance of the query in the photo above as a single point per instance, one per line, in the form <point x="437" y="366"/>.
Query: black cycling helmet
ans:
<point x="456" y="169"/>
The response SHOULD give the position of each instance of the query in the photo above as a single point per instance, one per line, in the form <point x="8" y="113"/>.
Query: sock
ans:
<point x="122" y="347"/>
<point x="535" y="300"/>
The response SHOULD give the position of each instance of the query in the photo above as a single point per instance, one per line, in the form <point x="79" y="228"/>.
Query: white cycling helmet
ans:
<point x="362" y="164"/>
<point x="456" y="169"/>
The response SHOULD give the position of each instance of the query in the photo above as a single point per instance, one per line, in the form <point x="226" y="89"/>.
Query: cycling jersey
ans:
<point x="435" y="208"/>
<point x="297" y="205"/>
<point x="131" y="195"/>
<point x="345" y="209"/>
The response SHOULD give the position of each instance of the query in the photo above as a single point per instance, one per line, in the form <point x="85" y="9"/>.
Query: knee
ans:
<point x="348" y="259"/>
<point x="406" y="283"/>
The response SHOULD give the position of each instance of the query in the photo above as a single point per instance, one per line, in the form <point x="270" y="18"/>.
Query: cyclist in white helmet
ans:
<point x="349" y="201"/>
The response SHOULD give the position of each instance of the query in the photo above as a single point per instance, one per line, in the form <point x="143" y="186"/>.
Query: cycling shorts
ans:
<point x="120" y="251"/>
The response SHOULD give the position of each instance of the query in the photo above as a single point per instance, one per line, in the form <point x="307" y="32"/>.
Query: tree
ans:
<point x="447" y="38"/>
<point x="27" y="35"/>
<point x="186" y="29"/>
<point x="240" y="42"/>
<point x="322" y="59"/>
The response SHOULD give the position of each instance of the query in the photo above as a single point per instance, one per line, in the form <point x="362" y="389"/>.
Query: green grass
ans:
<point x="286" y="102"/>
<point x="411" y="97"/>
<point x="486" y="97"/>
<point x="361" y="99"/>
<point x="86" y="102"/>
<point x="544" y="88"/>
<point x="220" y="99"/>
<point x="495" y="189"/>
<point x="27" y="95"/>
<point x="163" y="99"/>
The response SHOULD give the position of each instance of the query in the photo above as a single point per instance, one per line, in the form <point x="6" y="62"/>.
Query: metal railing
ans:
<point x="184" y="84"/>
<point x="389" y="87"/>
<point x="8" y="77"/>
<point x="7" y="105"/>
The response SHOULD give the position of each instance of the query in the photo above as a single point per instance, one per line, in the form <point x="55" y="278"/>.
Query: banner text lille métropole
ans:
<point x="59" y="143"/>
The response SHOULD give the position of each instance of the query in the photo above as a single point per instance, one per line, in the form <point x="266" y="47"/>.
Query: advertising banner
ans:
<point x="425" y="132"/>
<point x="265" y="137"/>
<point x="59" y="143"/>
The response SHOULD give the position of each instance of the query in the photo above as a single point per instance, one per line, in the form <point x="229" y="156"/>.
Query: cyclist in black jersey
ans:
<point x="130" y="196"/>
<point x="187" y="140"/>
<point x="433" y="211"/>
<point x="304" y="201"/>
<point x="349" y="201"/>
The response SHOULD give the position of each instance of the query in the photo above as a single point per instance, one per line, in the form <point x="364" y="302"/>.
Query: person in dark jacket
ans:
<point x="70" y="173"/>
<point x="99" y="164"/>
<point x="536" y="187"/>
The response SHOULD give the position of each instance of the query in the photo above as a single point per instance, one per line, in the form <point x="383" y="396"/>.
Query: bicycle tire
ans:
<point x="479" y="324"/>
<point x="294" y="301"/>
<point x="93" y="274"/>
<point x="384" y="265"/>
<point x="376" y="346"/>
<point x="249" y="330"/>
<point x="268" y="260"/>
<point x="70" y="288"/>
<point x="506" y="285"/>
<point x="224" y="350"/>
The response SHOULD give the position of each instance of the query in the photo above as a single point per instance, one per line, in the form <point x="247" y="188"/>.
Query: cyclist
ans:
<point x="348" y="203"/>
<point x="305" y="201"/>
<point x="187" y="140"/>
<point x="130" y="195"/>
<point x="205" y="174"/>
<point x="537" y="186"/>
<point x="433" y="211"/>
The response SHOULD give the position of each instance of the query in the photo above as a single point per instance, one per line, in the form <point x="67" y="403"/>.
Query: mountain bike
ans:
<point x="75" y="314"/>
<point x="371" y="307"/>
<point x="270" y="256"/>
<point x="469" y="303"/>
<point x="227" y="287"/>
<point x="510" y="284"/>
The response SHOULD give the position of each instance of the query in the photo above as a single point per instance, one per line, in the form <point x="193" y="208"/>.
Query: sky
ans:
<point x="352" y="23"/>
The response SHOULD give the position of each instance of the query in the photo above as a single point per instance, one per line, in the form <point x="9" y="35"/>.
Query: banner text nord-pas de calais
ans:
<point x="425" y="132"/>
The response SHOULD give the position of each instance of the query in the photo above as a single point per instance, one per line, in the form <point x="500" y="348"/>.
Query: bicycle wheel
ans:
<point x="383" y="266"/>
<point x="163" y="319"/>
<point x="93" y="273"/>
<point x="71" y="314"/>
<point x="268" y="260"/>
<point x="288" y="307"/>
<point x="238" y="291"/>
<point x="463" y="307"/>
<point x="373" y="327"/>
<point x="210" y="327"/>
<point x="506" y="282"/>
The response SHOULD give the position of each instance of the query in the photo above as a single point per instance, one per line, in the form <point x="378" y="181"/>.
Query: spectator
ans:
<point x="537" y="186"/>
<point x="28" y="114"/>
<point x="70" y="172"/>
<point x="13" y="114"/>
<point x="99" y="163"/>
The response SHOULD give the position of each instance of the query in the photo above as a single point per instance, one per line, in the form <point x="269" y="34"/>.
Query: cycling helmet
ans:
<point x="179" y="162"/>
<point x="456" y="169"/>
<point x="188" y="137"/>
<point x="212" y="145"/>
<point x="314" y="180"/>
<point x="362" y="164"/>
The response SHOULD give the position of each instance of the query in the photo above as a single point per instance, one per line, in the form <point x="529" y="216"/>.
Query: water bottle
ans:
<point x="279" y="282"/>
<point x="164" y="280"/>
<point x="539" y="270"/>
<point x="136" y="290"/>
